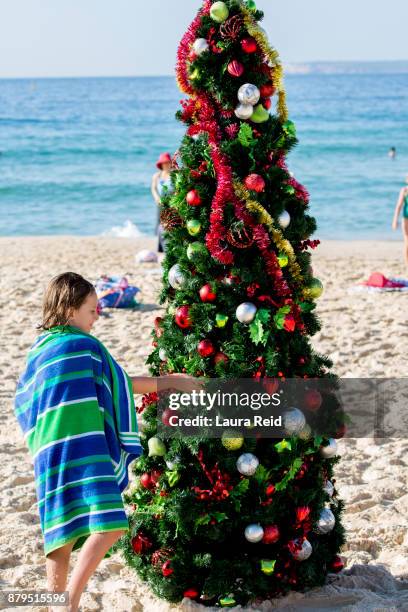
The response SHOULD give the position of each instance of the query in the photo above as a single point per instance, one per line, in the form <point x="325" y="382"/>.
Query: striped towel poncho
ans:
<point x="76" y="408"/>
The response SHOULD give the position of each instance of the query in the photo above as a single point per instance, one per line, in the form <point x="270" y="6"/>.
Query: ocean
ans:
<point x="77" y="155"/>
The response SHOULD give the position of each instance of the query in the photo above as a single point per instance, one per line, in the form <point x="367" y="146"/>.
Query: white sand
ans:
<point x="365" y="334"/>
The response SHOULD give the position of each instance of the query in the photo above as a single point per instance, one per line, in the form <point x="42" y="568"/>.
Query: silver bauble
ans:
<point x="172" y="464"/>
<point x="330" y="450"/>
<point x="244" y="111"/>
<point x="328" y="488"/>
<point x="305" y="552"/>
<point x="293" y="421"/>
<point x="176" y="277"/>
<point x="247" y="464"/>
<point x="326" y="522"/>
<point x="163" y="354"/>
<point x="254" y="533"/>
<point x="284" y="219"/>
<point x="249" y="94"/>
<point x="200" y="46"/>
<point x="246" y="312"/>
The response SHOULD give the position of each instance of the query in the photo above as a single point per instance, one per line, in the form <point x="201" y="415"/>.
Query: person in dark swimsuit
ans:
<point x="402" y="204"/>
<point x="161" y="181"/>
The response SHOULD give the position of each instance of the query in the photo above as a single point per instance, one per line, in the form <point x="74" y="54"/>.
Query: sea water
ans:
<point x="77" y="155"/>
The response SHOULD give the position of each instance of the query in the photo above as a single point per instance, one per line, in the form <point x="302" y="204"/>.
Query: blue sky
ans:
<point x="139" y="37"/>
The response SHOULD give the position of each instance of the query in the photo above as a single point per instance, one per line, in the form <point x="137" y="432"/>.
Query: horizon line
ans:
<point x="171" y="75"/>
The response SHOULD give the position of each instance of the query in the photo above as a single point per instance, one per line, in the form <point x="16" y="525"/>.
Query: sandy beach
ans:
<point x="365" y="334"/>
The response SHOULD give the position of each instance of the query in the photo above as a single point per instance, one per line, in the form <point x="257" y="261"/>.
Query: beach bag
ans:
<point x="115" y="292"/>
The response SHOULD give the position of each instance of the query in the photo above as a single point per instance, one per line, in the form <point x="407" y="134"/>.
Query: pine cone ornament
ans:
<point x="169" y="218"/>
<point x="231" y="29"/>
<point x="240" y="237"/>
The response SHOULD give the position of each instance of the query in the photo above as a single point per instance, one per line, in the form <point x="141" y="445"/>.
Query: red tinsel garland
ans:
<point x="313" y="244"/>
<point x="148" y="400"/>
<point x="300" y="191"/>
<point x="185" y="48"/>
<point x="204" y="110"/>
<point x="220" y="482"/>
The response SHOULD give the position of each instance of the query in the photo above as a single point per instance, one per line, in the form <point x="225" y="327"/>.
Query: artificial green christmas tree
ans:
<point x="230" y="520"/>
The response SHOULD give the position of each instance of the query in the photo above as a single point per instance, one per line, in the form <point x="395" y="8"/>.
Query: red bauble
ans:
<point x="289" y="323"/>
<point x="155" y="476"/>
<point x="166" y="569"/>
<point x="340" y="433"/>
<point x="193" y="198"/>
<point x="167" y="414"/>
<point x="249" y="45"/>
<point x="313" y="400"/>
<point x="158" y="321"/>
<point x="271" y="534"/>
<point x="206" y="348"/>
<point x="270" y="490"/>
<point x="255" y="182"/>
<point x="182" y="317"/>
<point x="267" y="90"/>
<point x="221" y="357"/>
<point x="337" y="564"/>
<point x="191" y="593"/>
<point x="207" y="294"/>
<point x="267" y="103"/>
<point x="146" y="481"/>
<point x="235" y="68"/>
<point x="141" y="543"/>
<point x="271" y="385"/>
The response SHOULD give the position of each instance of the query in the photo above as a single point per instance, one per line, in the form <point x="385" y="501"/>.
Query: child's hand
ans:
<point x="181" y="382"/>
<point x="394" y="224"/>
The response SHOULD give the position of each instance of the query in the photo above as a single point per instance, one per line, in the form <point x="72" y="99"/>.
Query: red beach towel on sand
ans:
<point x="379" y="281"/>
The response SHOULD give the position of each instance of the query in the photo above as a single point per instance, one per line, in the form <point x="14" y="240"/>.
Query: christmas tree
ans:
<point x="230" y="520"/>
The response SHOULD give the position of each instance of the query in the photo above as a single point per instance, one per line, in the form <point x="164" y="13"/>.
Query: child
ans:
<point x="75" y="406"/>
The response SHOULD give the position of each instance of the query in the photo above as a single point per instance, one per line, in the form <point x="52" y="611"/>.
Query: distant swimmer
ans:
<point x="392" y="153"/>
<point x="402" y="204"/>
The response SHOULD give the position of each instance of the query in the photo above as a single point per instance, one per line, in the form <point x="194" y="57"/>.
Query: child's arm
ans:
<point x="150" y="384"/>
<point x="398" y="209"/>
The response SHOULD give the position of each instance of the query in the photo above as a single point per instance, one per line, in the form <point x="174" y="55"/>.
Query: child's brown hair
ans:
<point x="66" y="292"/>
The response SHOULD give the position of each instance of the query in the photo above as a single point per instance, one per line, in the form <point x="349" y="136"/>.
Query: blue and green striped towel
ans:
<point x="76" y="408"/>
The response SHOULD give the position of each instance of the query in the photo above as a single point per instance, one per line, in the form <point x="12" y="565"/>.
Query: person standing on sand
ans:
<point x="161" y="181"/>
<point x="402" y="203"/>
<point x="75" y="406"/>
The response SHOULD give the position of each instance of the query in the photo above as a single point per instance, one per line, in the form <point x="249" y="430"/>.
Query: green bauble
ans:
<point x="268" y="566"/>
<point x="283" y="260"/>
<point x="315" y="288"/>
<point x="193" y="227"/>
<point x="219" y="12"/>
<point x="289" y="128"/>
<point x="251" y="5"/>
<point x="196" y="250"/>
<point x="260" y="114"/>
<point x="228" y="602"/>
<point x="221" y="320"/>
<point x="195" y="74"/>
<point x="232" y="440"/>
<point x="157" y="447"/>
